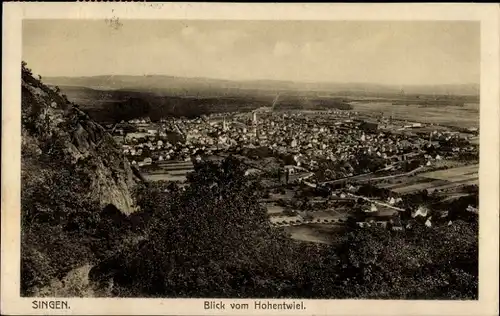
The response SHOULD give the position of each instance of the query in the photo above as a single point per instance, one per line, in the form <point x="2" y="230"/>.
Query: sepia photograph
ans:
<point x="275" y="160"/>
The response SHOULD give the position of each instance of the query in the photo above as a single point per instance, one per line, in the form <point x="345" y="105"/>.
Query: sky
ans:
<point x="404" y="52"/>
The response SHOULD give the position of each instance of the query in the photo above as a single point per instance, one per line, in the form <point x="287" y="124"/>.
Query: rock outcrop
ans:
<point x="51" y="123"/>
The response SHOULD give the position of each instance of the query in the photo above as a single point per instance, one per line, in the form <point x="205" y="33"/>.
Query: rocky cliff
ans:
<point x="57" y="135"/>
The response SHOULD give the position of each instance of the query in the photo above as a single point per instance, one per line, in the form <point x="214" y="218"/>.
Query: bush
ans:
<point x="421" y="263"/>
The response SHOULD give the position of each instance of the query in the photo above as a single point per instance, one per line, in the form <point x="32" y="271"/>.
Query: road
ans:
<point x="376" y="202"/>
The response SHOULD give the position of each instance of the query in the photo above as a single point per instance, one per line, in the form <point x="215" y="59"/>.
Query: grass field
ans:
<point x="317" y="233"/>
<point x="274" y="209"/>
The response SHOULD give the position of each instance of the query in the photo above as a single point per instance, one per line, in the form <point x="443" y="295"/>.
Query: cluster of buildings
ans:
<point x="301" y="138"/>
<point x="339" y="145"/>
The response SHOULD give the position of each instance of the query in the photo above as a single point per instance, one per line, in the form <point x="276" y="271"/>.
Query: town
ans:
<point x="320" y="169"/>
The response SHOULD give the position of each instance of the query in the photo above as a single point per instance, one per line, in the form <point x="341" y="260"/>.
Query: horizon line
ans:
<point x="263" y="79"/>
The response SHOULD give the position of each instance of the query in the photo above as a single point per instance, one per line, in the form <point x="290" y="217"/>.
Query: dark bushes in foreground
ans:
<point x="213" y="240"/>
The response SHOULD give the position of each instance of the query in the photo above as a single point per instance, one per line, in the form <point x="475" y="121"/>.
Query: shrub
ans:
<point x="420" y="263"/>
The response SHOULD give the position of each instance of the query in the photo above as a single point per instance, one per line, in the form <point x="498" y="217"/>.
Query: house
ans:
<point x="131" y="136"/>
<point x="396" y="224"/>
<point x="373" y="208"/>
<point x="290" y="169"/>
<point x="252" y="171"/>
<point x="420" y="211"/>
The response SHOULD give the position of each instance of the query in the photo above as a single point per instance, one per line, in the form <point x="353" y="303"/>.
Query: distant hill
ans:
<point x="207" y="86"/>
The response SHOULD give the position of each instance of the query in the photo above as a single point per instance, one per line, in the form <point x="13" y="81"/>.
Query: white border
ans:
<point x="488" y="14"/>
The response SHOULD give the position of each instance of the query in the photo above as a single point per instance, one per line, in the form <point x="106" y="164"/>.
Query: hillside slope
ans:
<point x="76" y="187"/>
<point x="49" y="120"/>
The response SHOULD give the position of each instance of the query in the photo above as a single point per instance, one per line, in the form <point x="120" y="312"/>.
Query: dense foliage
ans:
<point x="420" y="263"/>
<point x="63" y="227"/>
<point x="210" y="240"/>
<point x="213" y="240"/>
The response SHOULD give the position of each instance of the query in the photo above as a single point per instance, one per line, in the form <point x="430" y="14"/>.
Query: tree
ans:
<point x="24" y="68"/>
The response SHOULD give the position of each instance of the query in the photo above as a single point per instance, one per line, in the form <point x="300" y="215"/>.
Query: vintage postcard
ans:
<point x="250" y="159"/>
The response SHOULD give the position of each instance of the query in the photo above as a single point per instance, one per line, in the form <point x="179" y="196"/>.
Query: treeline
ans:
<point x="429" y="103"/>
<point x="137" y="105"/>
<point x="213" y="239"/>
<point x="125" y="105"/>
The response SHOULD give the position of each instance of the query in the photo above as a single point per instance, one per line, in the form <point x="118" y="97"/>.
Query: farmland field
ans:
<point x="404" y="181"/>
<point x="414" y="182"/>
<point x="164" y="177"/>
<point x="453" y="197"/>
<point x="274" y="209"/>
<point x="434" y="185"/>
<point x="450" y="174"/>
<point x="417" y="187"/>
<point x="437" y="180"/>
<point x="466" y="116"/>
<point x="475" y="140"/>
<point x="289" y="194"/>
<point x="454" y="184"/>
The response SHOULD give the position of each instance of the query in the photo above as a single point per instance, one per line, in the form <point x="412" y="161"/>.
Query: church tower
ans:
<point x="224" y="124"/>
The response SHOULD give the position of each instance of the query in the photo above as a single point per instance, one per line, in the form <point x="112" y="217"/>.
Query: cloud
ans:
<point x="354" y="51"/>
